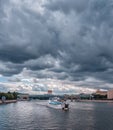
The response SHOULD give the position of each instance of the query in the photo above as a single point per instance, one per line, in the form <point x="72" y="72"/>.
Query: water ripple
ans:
<point x="34" y="115"/>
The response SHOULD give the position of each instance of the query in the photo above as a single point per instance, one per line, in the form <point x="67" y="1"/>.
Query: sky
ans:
<point x="60" y="45"/>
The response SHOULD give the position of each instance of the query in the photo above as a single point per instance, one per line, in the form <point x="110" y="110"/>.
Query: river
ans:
<point x="35" y="115"/>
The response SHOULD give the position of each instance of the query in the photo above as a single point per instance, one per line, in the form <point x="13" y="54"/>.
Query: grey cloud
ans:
<point x="3" y="88"/>
<point x="40" y="87"/>
<point x="77" y="34"/>
<point x="24" y="39"/>
<point x="66" y="6"/>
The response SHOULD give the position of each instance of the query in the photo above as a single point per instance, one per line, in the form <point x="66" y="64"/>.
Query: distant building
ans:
<point x="100" y="95"/>
<point x="49" y="91"/>
<point x="23" y="96"/>
<point x="110" y="94"/>
<point x="100" y="92"/>
<point x="85" y="96"/>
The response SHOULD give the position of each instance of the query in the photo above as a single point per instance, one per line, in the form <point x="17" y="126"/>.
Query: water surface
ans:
<point x="34" y="115"/>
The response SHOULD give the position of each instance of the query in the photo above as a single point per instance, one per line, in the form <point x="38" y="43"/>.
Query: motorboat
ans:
<point x="57" y="103"/>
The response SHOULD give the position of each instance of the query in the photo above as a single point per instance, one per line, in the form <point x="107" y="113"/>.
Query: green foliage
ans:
<point x="9" y="95"/>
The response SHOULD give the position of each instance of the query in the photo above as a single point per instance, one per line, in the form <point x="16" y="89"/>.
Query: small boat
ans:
<point x="65" y="106"/>
<point x="57" y="103"/>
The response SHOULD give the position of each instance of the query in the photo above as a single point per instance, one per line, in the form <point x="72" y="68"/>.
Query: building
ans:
<point x="85" y="96"/>
<point x="23" y="96"/>
<point x="49" y="91"/>
<point x="100" y="95"/>
<point x="110" y="94"/>
<point x="101" y="92"/>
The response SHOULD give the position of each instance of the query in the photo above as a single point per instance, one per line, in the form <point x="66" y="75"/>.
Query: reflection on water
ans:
<point x="34" y="115"/>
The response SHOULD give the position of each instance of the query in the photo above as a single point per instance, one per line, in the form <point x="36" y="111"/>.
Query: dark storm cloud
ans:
<point x="25" y="35"/>
<point x="66" y="39"/>
<point x="66" y="6"/>
<point x="8" y="68"/>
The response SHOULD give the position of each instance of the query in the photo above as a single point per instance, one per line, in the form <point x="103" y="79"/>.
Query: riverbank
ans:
<point x="104" y="101"/>
<point x="8" y="101"/>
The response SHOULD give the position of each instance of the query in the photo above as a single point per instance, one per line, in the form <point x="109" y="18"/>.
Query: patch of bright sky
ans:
<point x="3" y="79"/>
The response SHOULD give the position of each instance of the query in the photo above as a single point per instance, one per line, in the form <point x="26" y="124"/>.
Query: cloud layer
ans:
<point x="57" y="39"/>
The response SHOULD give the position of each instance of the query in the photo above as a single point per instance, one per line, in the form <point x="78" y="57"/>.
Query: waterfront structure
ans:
<point x="110" y="94"/>
<point x="23" y="96"/>
<point x="101" y="92"/>
<point x="85" y="96"/>
<point x="49" y="91"/>
<point x="41" y="97"/>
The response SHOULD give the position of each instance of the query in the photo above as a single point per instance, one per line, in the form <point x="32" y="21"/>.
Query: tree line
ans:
<point x="9" y="95"/>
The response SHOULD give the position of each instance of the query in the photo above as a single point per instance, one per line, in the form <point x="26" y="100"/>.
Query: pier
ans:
<point x="7" y="101"/>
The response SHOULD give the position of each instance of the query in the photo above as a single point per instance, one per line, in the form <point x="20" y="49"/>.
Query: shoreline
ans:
<point x="8" y="101"/>
<point x="101" y="101"/>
